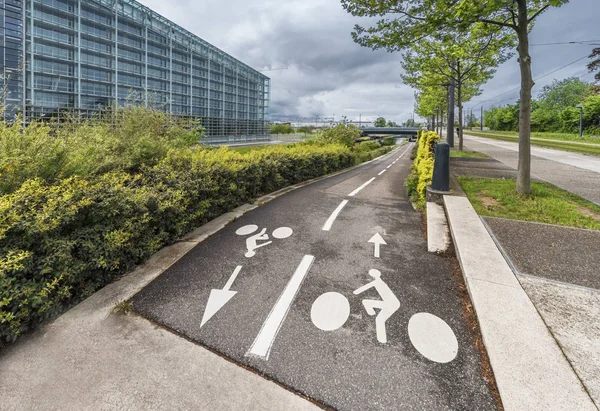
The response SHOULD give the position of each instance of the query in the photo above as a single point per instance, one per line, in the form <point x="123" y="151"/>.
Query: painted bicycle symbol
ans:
<point x="429" y="334"/>
<point x="252" y="242"/>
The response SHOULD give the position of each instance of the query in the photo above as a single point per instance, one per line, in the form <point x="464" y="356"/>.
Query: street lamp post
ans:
<point x="580" y="121"/>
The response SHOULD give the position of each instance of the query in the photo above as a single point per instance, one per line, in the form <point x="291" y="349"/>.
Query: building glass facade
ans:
<point x="88" y="55"/>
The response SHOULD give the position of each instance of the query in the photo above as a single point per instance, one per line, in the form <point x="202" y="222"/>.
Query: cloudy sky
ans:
<point x="316" y="68"/>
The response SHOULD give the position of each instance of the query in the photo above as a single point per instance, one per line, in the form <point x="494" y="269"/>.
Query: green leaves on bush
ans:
<point x="422" y="169"/>
<point x="126" y="140"/>
<point x="61" y="242"/>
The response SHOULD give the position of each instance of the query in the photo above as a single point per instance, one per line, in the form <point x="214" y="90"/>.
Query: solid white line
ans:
<point x="352" y="194"/>
<point x="334" y="215"/>
<point x="264" y="340"/>
<point x="382" y="172"/>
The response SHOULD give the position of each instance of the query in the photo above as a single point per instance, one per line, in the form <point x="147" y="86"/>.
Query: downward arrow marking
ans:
<point x="377" y="240"/>
<point x="218" y="298"/>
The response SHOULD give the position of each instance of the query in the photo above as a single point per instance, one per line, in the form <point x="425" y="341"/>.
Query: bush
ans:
<point x="129" y="139"/>
<point x="61" y="242"/>
<point x="422" y="169"/>
<point x="389" y="141"/>
<point x="281" y="129"/>
<point x="345" y="134"/>
<point x="369" y="145"/>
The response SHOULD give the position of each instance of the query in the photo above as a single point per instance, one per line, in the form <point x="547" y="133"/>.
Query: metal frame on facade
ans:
<point x="88" y="55"/>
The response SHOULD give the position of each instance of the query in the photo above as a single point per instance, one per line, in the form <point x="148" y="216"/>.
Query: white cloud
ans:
<point x="327" y="73"/>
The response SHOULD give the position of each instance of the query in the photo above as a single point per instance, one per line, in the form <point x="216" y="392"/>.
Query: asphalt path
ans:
<point x="309" y="304"/>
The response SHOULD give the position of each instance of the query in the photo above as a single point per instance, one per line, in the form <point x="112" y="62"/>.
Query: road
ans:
<point x="329" y="291"/>
<point x="577" y="173"/>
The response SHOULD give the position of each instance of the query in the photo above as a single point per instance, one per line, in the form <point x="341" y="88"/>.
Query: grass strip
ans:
<point x="467" y="154"/>
<point x="593" y="149"/>
<point x="546" y="204"/>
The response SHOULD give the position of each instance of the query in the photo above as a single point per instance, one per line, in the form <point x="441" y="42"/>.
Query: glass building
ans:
<point x="82" y="56"/>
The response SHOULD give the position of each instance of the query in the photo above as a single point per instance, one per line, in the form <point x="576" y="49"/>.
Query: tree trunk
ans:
<point x="441" y="123"/>
<point x="460" y="107"/>
<point x="524" y="168"/>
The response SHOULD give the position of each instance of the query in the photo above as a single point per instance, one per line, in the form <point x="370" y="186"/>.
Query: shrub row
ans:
<point x="61" y="242"/>
<point x="422" y="169"/>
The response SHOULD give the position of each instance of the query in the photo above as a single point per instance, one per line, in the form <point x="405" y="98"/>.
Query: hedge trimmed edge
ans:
<point x="61" y="242"/>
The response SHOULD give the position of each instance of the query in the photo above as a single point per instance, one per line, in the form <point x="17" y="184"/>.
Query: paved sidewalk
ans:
<point x="557" y="268"/>
<point x="93" y="359"/>
<point x="577" y="173"/>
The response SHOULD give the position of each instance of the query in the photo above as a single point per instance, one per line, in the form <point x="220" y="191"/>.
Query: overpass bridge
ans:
<point x="399" y="131"/>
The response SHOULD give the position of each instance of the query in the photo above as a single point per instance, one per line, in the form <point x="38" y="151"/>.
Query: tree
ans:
<point x="391" y="123"/>
<point x="380" y="122"/>
<point x="594" y="65"/>
<point x="561" y="94"/>
<point x="430" y="101"/>
<point x="468" y="60"/>
<point x="417" y="19"/>
<point x="305" y="129"/>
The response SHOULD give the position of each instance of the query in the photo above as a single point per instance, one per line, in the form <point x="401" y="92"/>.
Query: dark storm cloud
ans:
<point x="316" y="68"/>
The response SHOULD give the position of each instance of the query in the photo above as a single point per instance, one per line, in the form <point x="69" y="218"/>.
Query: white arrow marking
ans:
<point x="218" y="298"/>
<point x="377" y="240"/>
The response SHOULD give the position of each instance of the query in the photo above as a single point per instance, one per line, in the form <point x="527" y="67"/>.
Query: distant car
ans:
<point x="413" y="138"/>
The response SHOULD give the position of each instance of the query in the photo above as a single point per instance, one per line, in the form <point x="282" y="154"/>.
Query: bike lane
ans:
<point x="337" y="298"/>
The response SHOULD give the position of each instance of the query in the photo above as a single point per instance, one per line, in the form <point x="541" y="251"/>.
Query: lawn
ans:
<point x="547" y="203"/>
<point x="467" y="154"/>
<point x="591" y="145"/>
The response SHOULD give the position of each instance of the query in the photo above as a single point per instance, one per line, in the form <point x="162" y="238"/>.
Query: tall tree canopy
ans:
<point x="403" y="22"/>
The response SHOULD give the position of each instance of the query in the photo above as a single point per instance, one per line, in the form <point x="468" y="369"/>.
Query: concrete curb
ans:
<point x="438" y="237"/>
<point x="530" y="369"/>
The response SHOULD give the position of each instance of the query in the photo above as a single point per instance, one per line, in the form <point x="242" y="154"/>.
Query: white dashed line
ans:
<point x="334" y="215"/>
<point x="389" y="166"/>
<point x="352" y="194"/>
<point x="382" y="172"/>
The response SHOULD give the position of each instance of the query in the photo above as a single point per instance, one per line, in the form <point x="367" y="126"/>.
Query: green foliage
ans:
<point x="305" y="129"/>
<point x="345" y="134"/>
<point x="130" y="139"/>
<point x="547" y="203"/>
<point x="281" y="129"/>
<point x="368" y="145"/>
<point x="60" y="242"/>
<point x="594" y="64"/>
<point x="554" y="111"/>
<point x="380" y="122"/>
<point x="389" y="141"/>
<point x="422" y="169"/>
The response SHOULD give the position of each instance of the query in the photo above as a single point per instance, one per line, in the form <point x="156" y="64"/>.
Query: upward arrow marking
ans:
<point x="218" y="298"/>
<point x="377" y="240"/>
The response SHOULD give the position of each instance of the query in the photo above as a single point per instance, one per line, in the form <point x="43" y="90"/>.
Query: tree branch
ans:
<point x="537" y="13"/>
<point x="405" y="13"/>
<point x="498" y="23"/>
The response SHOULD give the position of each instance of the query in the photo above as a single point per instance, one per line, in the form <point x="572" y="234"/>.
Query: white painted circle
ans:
<point x="432" y="337"/>
<point x="247" y="229"/>
<point x="282" y="232"/>
<point x="330" y="311"/>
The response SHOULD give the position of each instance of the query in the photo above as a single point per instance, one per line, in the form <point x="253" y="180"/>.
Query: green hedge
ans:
<point x="389" y="141"/>
<point x="61" y="242"/>
<point x="422" y="169"/>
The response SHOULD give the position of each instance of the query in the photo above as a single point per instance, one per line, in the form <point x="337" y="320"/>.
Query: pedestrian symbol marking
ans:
<point x="432" y="337"/>
<point x="388" y="304"/>
<point x="252" y="242"/>
<point x="218" y="298"/>
<point x="330" y="311"/>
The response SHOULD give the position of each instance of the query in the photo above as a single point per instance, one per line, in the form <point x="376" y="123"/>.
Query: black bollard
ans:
<point x="441" y="168"/>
